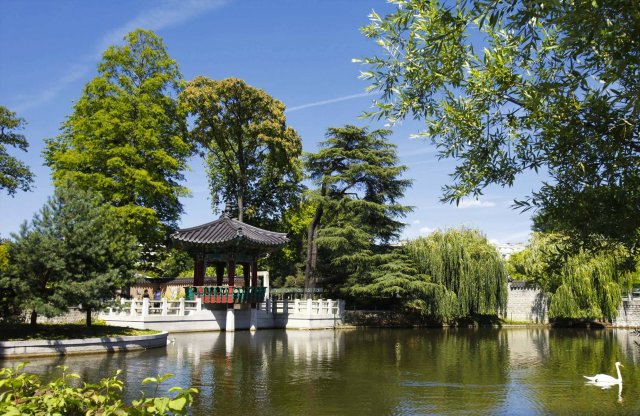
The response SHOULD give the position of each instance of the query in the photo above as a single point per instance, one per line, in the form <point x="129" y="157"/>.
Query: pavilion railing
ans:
<point x="162" y="307"/>
<point x="226" y="294"/>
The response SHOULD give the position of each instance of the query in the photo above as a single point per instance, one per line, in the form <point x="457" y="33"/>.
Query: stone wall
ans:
<point x="529" y="304"/>
<point x="526" y="304"/>
<point x="628" y="314"/>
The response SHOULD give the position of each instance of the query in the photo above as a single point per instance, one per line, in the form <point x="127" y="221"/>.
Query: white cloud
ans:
<point x="475" y="203"/>
<point x="416" y="222"/>
<point x="427" y="230"/>
<point x="167" y="14"/>
<point x="325" y="102"/>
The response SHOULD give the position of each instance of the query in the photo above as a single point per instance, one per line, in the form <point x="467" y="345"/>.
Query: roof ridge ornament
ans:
<point x="227" y="210"/>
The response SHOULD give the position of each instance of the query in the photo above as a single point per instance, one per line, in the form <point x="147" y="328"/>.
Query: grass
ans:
<point x="22" y="332"/>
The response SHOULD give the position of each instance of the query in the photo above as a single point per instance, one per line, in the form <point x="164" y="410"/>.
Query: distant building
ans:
<point x="507" y="249"/>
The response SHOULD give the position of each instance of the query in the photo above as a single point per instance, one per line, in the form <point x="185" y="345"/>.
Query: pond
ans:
<point x="384" y="371"/>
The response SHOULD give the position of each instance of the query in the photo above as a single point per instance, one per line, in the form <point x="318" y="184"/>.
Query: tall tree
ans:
<point x="509" y="86"/>
<point x="14" y="174"/>
<point x="75" y="250"/>
<point x="126" y="138"/>
<point x="253" y="157"/>
<point x="360" y="184"/>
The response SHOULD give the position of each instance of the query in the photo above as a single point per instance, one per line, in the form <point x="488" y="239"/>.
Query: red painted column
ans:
<point x="254" y="277"/>
<point x="219" y="273"/>
<point x="199" y="270"/>
<point x="246" y="273"/>
<point x="254" y="273"/>
<point x="231" y="265"/>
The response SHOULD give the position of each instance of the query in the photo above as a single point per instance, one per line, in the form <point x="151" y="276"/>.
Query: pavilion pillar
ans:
<point x="245" y="273"/>
<point x="254" y="279"/>
<point x="231" y="270"/>
<point x="254" y="273"/>
<point x="219" y="273"/>
<point x="199" y="270"/>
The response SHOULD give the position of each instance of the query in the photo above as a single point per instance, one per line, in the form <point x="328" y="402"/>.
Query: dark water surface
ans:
<point x="384" y="371"/>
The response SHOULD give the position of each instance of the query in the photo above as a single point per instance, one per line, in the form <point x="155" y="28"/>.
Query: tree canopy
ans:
<point x="357" y="204"/>
<point x="510" y="86"/>
<point x="14" y="175"/>
<point x="448" y="275"/>
<point x="581" y="282"/>
<point x="75" y="251"/>
<point x="251" y="153"/>
<point x="126" y="138"/>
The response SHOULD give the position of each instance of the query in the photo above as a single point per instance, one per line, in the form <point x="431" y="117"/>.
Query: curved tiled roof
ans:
<point x="226" y="230"/>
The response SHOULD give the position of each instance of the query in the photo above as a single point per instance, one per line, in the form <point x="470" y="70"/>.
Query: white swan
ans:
<point x="604" y="379"/>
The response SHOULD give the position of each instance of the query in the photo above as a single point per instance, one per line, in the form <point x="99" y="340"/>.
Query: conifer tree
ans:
<point x="360" y="184"/>
<point x="75" y="251"/>
<point x="126" y="138"/>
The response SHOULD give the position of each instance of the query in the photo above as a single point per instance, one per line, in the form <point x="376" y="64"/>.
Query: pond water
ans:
<point x="384" y="371"/>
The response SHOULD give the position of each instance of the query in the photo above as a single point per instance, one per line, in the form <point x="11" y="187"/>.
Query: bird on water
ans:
<point x="605" y="378"/>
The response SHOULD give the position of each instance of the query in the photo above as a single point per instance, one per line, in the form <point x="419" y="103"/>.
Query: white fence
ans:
<point x="163" y="307"/>
<point x="302" y="307"/>
<point x="182" y="307"/>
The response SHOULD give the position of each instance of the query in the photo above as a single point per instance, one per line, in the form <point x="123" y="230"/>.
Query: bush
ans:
<point x="22" y="393"/>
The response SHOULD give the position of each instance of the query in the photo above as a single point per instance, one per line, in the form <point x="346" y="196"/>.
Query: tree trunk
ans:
<point x="88" y="310"/>
<point x="34" y="319"/>
<point x="312" y="252"/>
<point x="240" y="206"/>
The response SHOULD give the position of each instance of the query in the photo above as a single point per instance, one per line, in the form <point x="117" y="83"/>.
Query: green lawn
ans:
<point x="17" y="332"/>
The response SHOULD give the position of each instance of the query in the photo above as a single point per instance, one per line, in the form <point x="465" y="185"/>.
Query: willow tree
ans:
<point x="357" y="204"/>
<point x="581" y="283"/>
<point x="251" y="153"/>
<point x="450" y="274"/>
<point x="126" y="138"/>
<point x="509" y="86"/>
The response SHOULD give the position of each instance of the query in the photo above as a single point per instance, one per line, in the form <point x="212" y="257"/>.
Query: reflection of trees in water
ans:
<point x="560" y="387"/>
<point x="357" y="372"/>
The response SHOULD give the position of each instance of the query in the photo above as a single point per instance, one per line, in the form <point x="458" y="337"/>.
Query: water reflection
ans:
<point x="384" y="372"/>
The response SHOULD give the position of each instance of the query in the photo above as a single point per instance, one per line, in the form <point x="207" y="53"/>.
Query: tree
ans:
<point x="75" y="251"/>
<point x="14" y="174"/>
<point x="252" y="156"/>
<point x="447" y="275"/>
<point x="581" y="283"/>
<point x="126" y="138"/>
<point x="360" y="184"/>
<point x="510" y="86"/>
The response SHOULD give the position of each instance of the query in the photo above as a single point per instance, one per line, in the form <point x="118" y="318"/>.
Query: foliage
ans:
<point x="75" y="250"/>
<point x="10" y="307"/>
<point x="23" y="393"/>
<point x="510" y="86"/>
<point x="168" y="263"/>
<point x="126" y="137"/>
<point x="360" y="184"/>
<point x="516" y="267"/>
<point x="14" y="174"/>
<point x="252" y="156"/>
<point x="447" y="275"/>
<point x="581" y="283"/>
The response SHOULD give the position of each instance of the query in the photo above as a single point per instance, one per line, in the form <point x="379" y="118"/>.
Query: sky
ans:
<point x="298" y="51"/>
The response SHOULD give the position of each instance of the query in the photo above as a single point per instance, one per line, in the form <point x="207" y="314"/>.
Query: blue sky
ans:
<point x="298" y="51"/>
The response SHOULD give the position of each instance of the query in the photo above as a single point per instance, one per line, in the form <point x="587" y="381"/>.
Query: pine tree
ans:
<point x="74" y="251"/>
